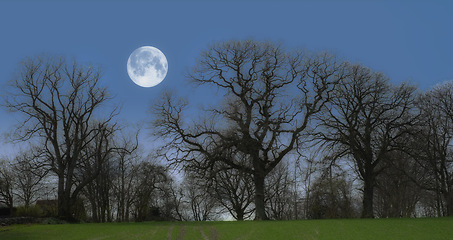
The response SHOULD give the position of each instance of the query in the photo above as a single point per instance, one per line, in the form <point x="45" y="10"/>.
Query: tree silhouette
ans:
<point x="269" y="98"/>
<point x="367" y="119"/>
<point x="59" y="101"/>
<point x="432" y="148"/>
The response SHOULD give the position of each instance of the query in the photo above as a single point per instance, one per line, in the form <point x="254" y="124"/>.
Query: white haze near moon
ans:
<point x="147" y="66"/>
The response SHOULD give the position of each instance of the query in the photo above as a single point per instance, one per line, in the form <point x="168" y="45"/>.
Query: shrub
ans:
<point x="31" y="211"/>
<point x="6" y="211"/>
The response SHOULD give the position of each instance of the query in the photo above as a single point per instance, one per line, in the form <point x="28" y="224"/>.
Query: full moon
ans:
<point x="147" y="66"/>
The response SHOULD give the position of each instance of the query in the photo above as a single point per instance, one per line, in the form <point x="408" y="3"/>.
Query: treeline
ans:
<point x="292" y="135"/>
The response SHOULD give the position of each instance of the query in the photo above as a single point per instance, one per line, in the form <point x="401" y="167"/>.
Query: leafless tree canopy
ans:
<point x="290" y="135"/>
<point x="432" y="149"/>
<point x="7" y="179"/>
<point x="366" y="120"/>
<point x="59" y="101"/>
<point x="269" y="97"/>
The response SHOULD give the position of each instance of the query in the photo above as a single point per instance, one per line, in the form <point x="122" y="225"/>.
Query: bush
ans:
<point x="49" y="207"/>
<point x="31" y="211"/>
<point x="331" y="197"/>
<point x="6" y="211"/>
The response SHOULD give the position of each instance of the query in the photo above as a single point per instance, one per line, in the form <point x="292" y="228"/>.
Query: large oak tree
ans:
<point x="269" y="97"/>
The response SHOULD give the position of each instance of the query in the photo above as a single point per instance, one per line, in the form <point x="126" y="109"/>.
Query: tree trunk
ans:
<point x="449" y="202"/>
<point x="239" y="214"/>
<point x="94" y="210"/>
<point x="64" y="207"/>
<point x="126" y="212"/>
<point x="368" y="193"/>
<point x="64" y="201"/>
<point x="10" y="205"/>
<point x="260" y="211"/>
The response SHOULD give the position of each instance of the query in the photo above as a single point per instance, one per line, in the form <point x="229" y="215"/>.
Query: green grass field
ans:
<point x="382" y="229"/>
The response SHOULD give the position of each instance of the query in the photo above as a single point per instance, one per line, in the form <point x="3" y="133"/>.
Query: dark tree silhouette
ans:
<point x="269" y="98"/>
<point x="432" y="148"/>
<point x="231" y="188"/>
<point x="29" y="176"/>
<point x="331" y="197"/>
<point x="367" y="119"/>
<point x="280" y="193"/>
<point x="201" y="199"/>
<point x="125" y="175"/>
<point x="7" y="180"/>
<point x="59" y="101"/>
<point x="149" y="180"/>
<point x="396" y="194"/>
<point x="234" y="190"/>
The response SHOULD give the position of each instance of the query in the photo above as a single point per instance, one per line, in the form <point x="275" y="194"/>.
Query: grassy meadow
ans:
<point x="382" y="229"/>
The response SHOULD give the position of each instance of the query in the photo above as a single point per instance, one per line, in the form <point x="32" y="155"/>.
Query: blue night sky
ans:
<point x="406" y="40"/>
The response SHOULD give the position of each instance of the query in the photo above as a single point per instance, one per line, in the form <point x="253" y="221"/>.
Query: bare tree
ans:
<point x="396" y="194"/>
<point x="100" y="156"/>
<point x="98" y="194"/>
<point x="178" y="202"/>
<point x="29" y="176"/>
<point x="307" y="175"/>
<point x="270" y="95"/>
<point x="150" y="179"/>
<point x="59" y="101"/>
<point x="432" y="146"/>
<point x="234" y="191"/>
<point x="7" y="180"/>
<point x="200" y="198"/>
<point x="331" y="196"/>
<point x="366" y="120"/>
<point x="232" y="188"/>
<point x="125" y="174"/>
<point x="280" y="193"/>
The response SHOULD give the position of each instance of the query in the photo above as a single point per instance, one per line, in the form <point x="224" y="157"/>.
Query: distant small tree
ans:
<point x="125" y="174"/>
<point x="178" y="202"/>
<point x="396" y="194"/>
<point x="307" y="177"/>
<point x="150" y="179"/>
<point x="111" y="150"/>
<point x="280" y="193"/>
<point x="331" y="197"/>
<point x="169" y="202"/>
<point x="200" y="198"/>
<point x="98" y="193"/>
<point x="232" y="188"/>
<point x="234" y="191"/>
<point x="7" y="180"/>
<point x="29" y="176"/>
